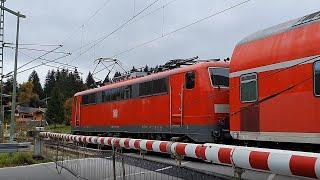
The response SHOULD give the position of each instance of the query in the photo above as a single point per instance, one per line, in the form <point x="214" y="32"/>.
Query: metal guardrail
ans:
<point x="281" y="162"/>
<point x="97" y="164"/>
<point x="14" y="147"/>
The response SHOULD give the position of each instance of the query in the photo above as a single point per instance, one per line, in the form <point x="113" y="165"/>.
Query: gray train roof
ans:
<point x="289" y="25"/>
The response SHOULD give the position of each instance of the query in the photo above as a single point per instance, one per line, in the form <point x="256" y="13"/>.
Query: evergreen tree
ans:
<point x="55" y="113"/>
<point x="49" y="84"/>
<point x="106" y="80"/>
<point x="37" y="88"/>
<point x="133" y="69"/>
<point x="146" y="69"/>
<point x="78" y="83"/>
<point x="117" y="74"/>
<point x="8" y="86"/>
<point x="90" y="81"/>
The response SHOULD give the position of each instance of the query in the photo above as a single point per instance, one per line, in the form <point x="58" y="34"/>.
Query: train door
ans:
<point x="176" y="99"/>
<point x="77" y="107"/>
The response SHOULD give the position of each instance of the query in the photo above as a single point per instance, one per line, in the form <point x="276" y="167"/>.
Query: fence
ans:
<point x="91" y="164"/>
<point x="279" y="162"/>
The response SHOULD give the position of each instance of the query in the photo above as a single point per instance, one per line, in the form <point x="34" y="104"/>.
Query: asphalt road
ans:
<point x="89" y="168"/>
<point x="102" y="168"/>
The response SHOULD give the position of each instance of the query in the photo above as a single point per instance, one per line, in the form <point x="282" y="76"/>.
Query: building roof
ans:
<point x="29" y="110"/>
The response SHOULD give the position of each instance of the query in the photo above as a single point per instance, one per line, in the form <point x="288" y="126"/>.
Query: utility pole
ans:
<point x="14" y="90"/>
<point x="1" y="69"/>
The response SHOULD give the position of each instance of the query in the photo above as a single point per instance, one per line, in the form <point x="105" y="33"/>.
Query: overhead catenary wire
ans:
<point x="153" y="11"/>
<point x="29" y="62"/>
<point x="86" y="22"/>
<point x="60" y="63"/>
<point x="105" y="36"/>
<point x="43" y="63"/>
<point x="33" y="44"/>
<point x="176" y="30"/>
<point x="39" y="50"/>
<point x="181" y="28"/>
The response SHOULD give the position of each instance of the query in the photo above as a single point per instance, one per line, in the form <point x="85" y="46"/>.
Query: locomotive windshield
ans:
<point x="219" y="77"/>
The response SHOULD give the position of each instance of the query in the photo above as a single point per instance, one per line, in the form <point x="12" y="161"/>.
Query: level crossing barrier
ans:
<point x="283" y="162"/>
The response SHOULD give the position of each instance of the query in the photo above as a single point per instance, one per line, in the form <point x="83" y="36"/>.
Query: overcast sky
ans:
<point x="73" y="24"/>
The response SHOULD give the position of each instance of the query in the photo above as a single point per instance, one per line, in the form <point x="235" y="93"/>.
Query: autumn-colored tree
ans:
<point x="26" y="95"/>
<point x="68" y="108"/>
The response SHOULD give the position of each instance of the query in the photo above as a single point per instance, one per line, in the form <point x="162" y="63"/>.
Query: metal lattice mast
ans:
<point x="1" y="68"/>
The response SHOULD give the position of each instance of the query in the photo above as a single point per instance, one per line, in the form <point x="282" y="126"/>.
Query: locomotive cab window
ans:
<point x="317" y="78"/>
<point x="190" y="79"/>
<point x="219" y="77"/>
<point x="248" y="88"/>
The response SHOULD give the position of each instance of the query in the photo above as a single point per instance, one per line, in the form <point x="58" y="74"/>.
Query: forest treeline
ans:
<point x="56" y="94"/>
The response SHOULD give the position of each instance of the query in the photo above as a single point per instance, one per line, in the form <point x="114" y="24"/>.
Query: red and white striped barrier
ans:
<point x="290" y="163"/>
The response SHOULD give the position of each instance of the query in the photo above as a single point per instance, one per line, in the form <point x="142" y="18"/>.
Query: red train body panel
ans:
<point x="273" y="82"/>
<point x="177" y="110"/>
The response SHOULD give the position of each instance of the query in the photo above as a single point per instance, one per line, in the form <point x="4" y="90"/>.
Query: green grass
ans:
<point x="18" y="159"/>
<point x="59" y="128"/>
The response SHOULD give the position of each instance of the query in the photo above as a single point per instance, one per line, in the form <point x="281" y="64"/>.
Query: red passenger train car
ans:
<point x="173" y="103"/>
<point x="275" y="84"/>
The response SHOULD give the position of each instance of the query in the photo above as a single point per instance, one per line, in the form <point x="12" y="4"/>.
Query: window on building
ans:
<point x="219" y="77"/>
<point x="190" y="80"/>
<point x="248" y="88"/>
<point x="317" y="78"/>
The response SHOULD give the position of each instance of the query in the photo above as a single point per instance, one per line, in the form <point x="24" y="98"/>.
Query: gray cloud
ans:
<point x="52" y="21"/>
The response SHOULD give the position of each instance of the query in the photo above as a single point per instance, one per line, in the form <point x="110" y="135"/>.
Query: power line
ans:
<point x="176" y="30"/>
<point x="39" y="50"/>
<point x="33" y="44"/>
<point x="102" y="38"/>
<point x="41" y="57"/>
<point x="179" y="29"/>
<point x="153" y="11"/>
<point x="59" y="67"/>
<point x="61" y="64"/>
<point x="42" y="64"/>
<point x="86" y="22"/>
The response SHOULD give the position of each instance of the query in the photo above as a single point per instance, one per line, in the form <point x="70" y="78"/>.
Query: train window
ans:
<point x="219" y="77"/>
<point x="160" y="86"/>
<point x="127" y="92"/>
<point x="317" y="78"/>
<point x="190" y="78"/>
<point x="106" y="96"/>
<point x="248" y="88"/>
<point x="153" y="87"/>
<point x="92" y="98"/>
<point x="85" y="99"/>
<point x="98" y="97"/>
<point x="135" y="90"/>
<point x="113" y="94"/>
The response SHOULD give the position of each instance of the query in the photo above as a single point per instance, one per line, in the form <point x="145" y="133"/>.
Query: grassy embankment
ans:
<point x="18" y="159"/>
<point x="58" y="128"/>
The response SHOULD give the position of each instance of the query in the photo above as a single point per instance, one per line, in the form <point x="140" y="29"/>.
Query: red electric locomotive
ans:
<point x="173" y="103"/>
<point x="275" y="84"/>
